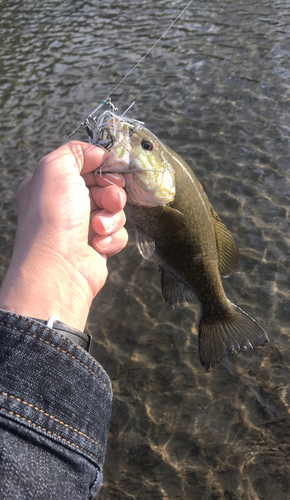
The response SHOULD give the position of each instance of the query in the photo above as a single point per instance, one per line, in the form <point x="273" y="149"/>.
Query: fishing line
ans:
<point x="150" y="50"/>
<point x="108" y="100"/>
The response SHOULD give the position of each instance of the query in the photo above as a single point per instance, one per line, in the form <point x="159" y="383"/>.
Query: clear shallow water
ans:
<point x="217" y="91"/>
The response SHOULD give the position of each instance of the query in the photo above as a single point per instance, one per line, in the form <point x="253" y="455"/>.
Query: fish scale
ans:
<point x="182" y="231"/>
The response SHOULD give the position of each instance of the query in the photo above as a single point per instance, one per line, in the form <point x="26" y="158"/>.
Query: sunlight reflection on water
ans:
<point x="216" y="90"/>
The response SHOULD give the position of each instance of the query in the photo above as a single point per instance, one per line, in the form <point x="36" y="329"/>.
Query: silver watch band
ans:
<point x="83" y="339"/>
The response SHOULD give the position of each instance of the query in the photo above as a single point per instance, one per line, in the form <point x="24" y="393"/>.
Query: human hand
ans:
<point x="69" y="222"/>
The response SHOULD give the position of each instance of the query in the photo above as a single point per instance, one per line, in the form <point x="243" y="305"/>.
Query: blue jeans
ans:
<point x="55" y="409"/>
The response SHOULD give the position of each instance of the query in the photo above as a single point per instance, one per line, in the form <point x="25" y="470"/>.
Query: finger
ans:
<point x="92" y="179"/>
<point x="105" y="223"/>
<point x="87" y="157"/>
<point x="111" y="198"/>
<point x="107" y="179"/>
<point x="76" y="155"/>
<point x="91" y="235"/>
<point x="89" y="179"/>
<point x="112" y="244"/>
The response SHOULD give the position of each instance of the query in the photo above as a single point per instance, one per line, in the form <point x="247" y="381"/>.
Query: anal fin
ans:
<point x="174" y="292"/>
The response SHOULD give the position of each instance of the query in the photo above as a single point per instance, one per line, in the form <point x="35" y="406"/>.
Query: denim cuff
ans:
<point x="53" y="387"/>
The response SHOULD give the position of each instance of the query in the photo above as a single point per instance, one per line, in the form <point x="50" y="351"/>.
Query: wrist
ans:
<point x="42" y="291"/>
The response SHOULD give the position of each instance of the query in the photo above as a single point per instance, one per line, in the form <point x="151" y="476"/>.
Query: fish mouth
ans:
<point x="147" y="182"/>
<point x="112" y="132"/>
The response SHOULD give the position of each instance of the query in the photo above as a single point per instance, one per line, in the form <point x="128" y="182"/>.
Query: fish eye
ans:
<point x="147" y="145"/>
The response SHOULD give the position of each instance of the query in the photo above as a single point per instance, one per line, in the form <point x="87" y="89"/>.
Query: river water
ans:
<point x="216" y="90"/>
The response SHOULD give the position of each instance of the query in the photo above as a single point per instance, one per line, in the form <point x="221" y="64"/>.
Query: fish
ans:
<point x="175" y="222"/>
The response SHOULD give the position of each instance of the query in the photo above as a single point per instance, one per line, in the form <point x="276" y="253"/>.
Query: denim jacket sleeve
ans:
<point x="55" y="408"/>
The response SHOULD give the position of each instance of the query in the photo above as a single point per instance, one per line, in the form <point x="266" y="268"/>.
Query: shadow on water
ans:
<point x="217" y="91"/>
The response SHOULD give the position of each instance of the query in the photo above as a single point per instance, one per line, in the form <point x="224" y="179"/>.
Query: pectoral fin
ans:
<point x="229" y="257"/>
<point x="145" y="245"/>
<point x="174" y="292"/>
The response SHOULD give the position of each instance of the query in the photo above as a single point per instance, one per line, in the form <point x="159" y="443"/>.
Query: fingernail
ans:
<point x="122" y="198"/>
<point x="107" y="223"/>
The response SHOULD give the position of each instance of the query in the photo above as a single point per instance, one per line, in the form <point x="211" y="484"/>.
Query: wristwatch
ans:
<point x="83" y="339"/>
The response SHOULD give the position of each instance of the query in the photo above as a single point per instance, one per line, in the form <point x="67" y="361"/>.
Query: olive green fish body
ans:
<point x="175" y="222"/>
<point x="181" y="248"/>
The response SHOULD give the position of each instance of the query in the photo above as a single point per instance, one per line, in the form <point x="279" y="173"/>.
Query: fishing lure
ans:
<point x="92" y="123"/>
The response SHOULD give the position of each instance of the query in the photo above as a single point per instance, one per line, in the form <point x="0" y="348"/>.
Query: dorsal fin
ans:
<point x="229" y="257"/>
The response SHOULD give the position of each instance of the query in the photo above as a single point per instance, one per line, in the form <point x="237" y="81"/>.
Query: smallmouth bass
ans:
<point x="175" y="222"/>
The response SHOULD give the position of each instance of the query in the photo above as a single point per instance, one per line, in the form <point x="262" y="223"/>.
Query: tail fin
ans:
<point x="234" y="331"/>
